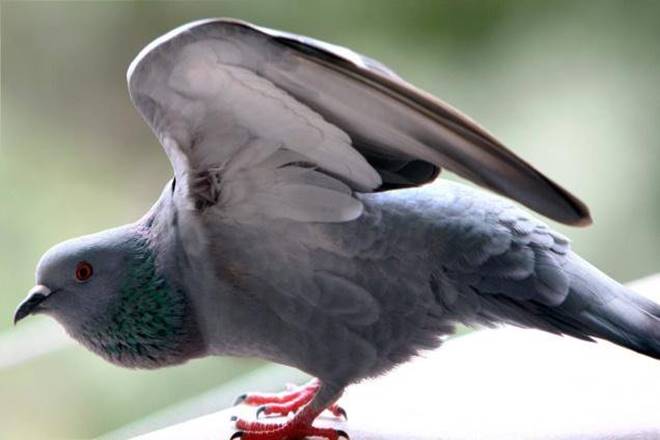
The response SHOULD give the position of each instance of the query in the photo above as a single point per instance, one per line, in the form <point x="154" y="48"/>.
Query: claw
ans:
<point x="240" y="399"/>
<point x="233" y="418"/>
<point x="260" y="411"/>
<point x="340" y="412"/>
<point x="341" y="433"/>
<point x="237" y="434"/>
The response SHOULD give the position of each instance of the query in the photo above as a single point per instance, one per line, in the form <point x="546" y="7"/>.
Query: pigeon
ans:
<point x="298" y="227"/>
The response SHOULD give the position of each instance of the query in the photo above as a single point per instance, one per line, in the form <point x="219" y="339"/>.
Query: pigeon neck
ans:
<point x="150" y="324"/>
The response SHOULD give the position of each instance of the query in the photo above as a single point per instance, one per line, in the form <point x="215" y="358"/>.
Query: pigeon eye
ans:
<point x="84" y="271"/>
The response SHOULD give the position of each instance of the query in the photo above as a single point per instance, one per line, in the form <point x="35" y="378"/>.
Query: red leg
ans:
<point x="288" y="401"/>
<point x="285" y="433"/>
<point x="285" y="408"/>
<point x="292" y="393"/>
<point x="297" y="428"/>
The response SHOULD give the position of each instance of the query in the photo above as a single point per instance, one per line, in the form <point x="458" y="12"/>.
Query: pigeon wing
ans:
<point x="257" y="121"/>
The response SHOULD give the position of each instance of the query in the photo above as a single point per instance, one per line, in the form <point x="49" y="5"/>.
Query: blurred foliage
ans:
<point x="574" y="87"/>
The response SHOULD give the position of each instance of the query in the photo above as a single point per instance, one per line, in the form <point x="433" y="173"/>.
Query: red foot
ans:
<point x="292" y="392"/>
<point x="292" y="430"/>
<point x="286" y="402"/>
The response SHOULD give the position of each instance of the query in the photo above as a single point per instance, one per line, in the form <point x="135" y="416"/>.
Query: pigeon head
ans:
<point x="78" y="279"/>
<point x="106" y="291"/>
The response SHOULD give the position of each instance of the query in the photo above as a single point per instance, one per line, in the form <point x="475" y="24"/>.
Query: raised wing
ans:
<point x="258" y="121"/>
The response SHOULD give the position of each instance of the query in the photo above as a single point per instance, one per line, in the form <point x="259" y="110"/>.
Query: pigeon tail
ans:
<point x="628" y="321"/>
<point x="600" y="307"/>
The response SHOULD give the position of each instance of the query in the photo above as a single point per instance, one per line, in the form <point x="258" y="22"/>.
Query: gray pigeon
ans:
<point x="296" y="227"/>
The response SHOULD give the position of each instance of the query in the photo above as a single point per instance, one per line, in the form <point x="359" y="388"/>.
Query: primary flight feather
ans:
<point x="295" y="228"/>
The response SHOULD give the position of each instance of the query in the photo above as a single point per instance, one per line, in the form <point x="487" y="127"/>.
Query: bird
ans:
<point x="305" y="224"/>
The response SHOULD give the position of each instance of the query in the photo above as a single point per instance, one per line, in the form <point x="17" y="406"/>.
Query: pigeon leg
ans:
<point x="288" y="401"/>
<point x="300" y="426"/>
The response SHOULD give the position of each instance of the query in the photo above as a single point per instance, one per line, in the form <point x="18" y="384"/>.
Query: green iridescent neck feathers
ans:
<point x="149" y="323"/>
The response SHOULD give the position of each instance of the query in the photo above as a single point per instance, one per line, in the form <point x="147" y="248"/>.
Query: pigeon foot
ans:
<point x="291" y="433"/>
<point x="297" y="428"/>
<point x="289" y="401"/>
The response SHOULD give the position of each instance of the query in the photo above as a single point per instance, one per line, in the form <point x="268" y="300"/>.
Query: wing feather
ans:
<point x="214" y="90"/>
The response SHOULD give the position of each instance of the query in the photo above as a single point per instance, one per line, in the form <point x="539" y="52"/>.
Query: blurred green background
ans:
<point x="574" y="87"/>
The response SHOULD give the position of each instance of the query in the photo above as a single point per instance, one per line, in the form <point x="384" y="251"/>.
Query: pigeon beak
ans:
<point x="35" y="297"/>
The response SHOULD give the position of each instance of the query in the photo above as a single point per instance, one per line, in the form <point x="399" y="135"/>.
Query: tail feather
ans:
<point x="600" y="307"/>
<point x="625" y="323"/>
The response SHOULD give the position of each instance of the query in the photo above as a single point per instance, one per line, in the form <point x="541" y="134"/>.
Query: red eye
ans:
<point x="84" y="271"/>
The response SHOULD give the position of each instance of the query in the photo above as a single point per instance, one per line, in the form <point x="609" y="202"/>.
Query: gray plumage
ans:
<point x="282" y="235"/>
